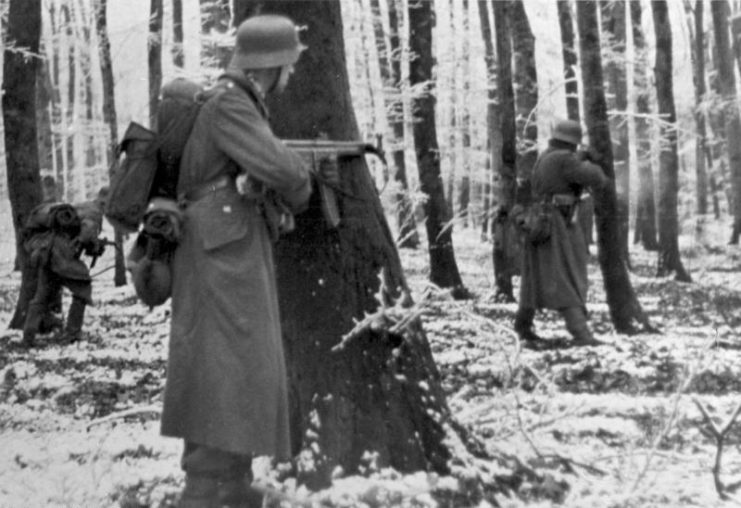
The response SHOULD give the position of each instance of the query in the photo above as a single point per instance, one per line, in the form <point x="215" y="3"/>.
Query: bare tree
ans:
<point x="109" y="117"/>
<point x="645" y="224"/>
<point x="20" y="67"/>
<point x="614" y="29"/>
<point x="364" y="393"/>
<point x="504" y="234"/>
<point x="568" y="49"/>
<point x="526" y="90"/>
<point x="625" y="310"/>
<point x="492" y="131"/>
<point x="154" y="45"/>
<point x="178" y="53"/>
<point x="215" y="18"/>
<point x="669" y="260"/>
<point x="727" y="87"/>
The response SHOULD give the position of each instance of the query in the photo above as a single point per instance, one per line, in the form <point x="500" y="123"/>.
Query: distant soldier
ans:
<point x="55" y="237"/>
<point x="554" y="273"/>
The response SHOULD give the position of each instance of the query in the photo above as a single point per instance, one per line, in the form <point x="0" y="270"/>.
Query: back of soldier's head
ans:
<point x="266" y="41"/>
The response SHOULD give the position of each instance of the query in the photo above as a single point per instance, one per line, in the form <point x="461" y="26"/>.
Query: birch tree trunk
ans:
<point x="625" y="310"/>
<point x="669" y="260"/>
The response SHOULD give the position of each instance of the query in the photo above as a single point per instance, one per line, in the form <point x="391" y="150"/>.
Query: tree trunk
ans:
<point x="464" y="190"/>
<point x="19" y="115"/>
<point x="110" y="119"/>
<point x="727" y="88"/>
<point x="406" y="225"/>
<point x="178" y="52"/>
<point x="154" y="44"/>
<point x="568" y="49"/>
<point x="443" y="267"/>
<point x="669" y="260"/>
<point x="215" y="17"/>
<point x="452" y="87"/>
<point x="380" y="393"/>
<point x="614" y="27"/>
<point x="526" y="90"/>
<point x="645" y="225"/>
<point x="504" y="236"/>
<point x="625" y="309"/>
<point x="492" y="130"/>
<point x="44" y="108"/>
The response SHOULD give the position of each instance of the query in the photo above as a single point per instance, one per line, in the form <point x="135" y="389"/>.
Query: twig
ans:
<point x="151" y="408"/>
<point x="720" y="436"/>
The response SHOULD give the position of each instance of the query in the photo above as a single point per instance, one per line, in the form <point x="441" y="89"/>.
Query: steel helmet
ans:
<point x="266" y="41"/>
<point x="567" y="130"/>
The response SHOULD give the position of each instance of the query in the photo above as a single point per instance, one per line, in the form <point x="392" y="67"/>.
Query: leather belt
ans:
<point x="207" y="188"/>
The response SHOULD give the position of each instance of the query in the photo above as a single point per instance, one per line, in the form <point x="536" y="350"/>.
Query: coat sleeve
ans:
<point x="246" y="138"/>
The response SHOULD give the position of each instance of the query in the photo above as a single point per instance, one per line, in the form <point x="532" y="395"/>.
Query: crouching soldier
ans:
<point x="55" y="237"/>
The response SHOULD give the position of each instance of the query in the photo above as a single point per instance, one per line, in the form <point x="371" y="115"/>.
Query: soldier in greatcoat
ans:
<point x="554" y="273"/>
<point x="226" y="387"/>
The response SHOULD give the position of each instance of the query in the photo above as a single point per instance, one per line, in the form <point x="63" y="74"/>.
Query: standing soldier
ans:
<point x="554" y="273"/>
<point x="226" y="388"/>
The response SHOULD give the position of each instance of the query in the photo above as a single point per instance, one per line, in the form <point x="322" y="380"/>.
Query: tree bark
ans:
<point x="154" y="52"/>
<point x="625" y="310"/>
<point x="111" y="120"/>
<point x="526" y="90"/>
<point x="645" y="225"/>
<point x="568" y="49"/>
<point x="20" y="67"/>
<point x="727" y="88"/>
<point x="381" y="392"/>
<point x="669" y="260"/>
<point x="215" y="18"/>
<point x="443" y="267"/>
<point x="614" y="27"/>
<point x="464" y="189"/>
<point x="178" y="52"/>
<point x="504" y="266"/>
<point x="492" y="130"/>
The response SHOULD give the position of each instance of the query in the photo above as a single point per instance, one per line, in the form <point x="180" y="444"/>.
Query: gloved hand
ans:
<point x="96" y="248"/>
<point x="589" y="154"/>
<point x="328" y="170"/>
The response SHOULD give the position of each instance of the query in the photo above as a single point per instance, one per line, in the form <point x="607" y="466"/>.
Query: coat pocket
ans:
<point x="221" y="223"/>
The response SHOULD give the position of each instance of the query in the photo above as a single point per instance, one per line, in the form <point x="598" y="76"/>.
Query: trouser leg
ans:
<point x="217" y="477"/>
<point x="46" y="287"/>
<point x="576" y="323"/>
<point x="524" y="323"/>
<point x="75" y="316"/>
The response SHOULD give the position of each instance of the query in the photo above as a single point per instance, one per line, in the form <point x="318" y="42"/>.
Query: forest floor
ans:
<point x="620" y="424"/>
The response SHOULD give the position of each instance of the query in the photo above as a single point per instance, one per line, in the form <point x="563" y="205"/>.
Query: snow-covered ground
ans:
<point x="620" y="424"/>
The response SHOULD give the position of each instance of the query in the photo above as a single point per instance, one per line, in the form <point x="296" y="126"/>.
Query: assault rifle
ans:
<point x="313" y="150"/>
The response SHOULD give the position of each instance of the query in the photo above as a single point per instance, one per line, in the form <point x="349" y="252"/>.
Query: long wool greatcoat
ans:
<point x="554" y="273"/>
<point x="226" y="381"/>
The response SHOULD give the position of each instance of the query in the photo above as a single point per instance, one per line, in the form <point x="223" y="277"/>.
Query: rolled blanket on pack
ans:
<point x="64" y="218"/>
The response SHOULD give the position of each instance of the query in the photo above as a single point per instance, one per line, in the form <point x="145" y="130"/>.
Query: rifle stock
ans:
<point x="313" y="150"/>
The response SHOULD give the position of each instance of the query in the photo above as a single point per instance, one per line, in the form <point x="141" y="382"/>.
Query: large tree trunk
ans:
<point x="614" y="27"/>
<point x="625" y="309"/>
<point x="464" y="189"/>
<point x="645" y="225"/>
<point x="380" y="392"/>
<point x="526" y="90"/>
<point x="568" y="49"/>
<point x="504" y="235"/>
<point x="443" y="267"/>
<point x="727" y="88"/>
<point x="111" y="120"/>
<point x="154" y="51"/>
<point x="390" y="65"/>
<point x="19" y="114"/>
<point x="669" y="260"/>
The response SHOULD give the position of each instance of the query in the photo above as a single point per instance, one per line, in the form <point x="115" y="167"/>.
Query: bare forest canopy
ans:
<point x="71" y="88"/>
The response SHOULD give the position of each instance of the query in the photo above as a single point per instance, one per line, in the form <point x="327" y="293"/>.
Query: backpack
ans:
<point x="536" y="222"/>
<point x="147" y="162"/>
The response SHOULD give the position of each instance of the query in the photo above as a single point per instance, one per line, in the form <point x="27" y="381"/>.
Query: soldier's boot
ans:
<point x="199" y="492"/>
<point x="236" y="493"/>
<point x="73" y="327"/>
<point x="524" y="324"/>
<point x="576" y="323"/>
<point x="32" y="325"/>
